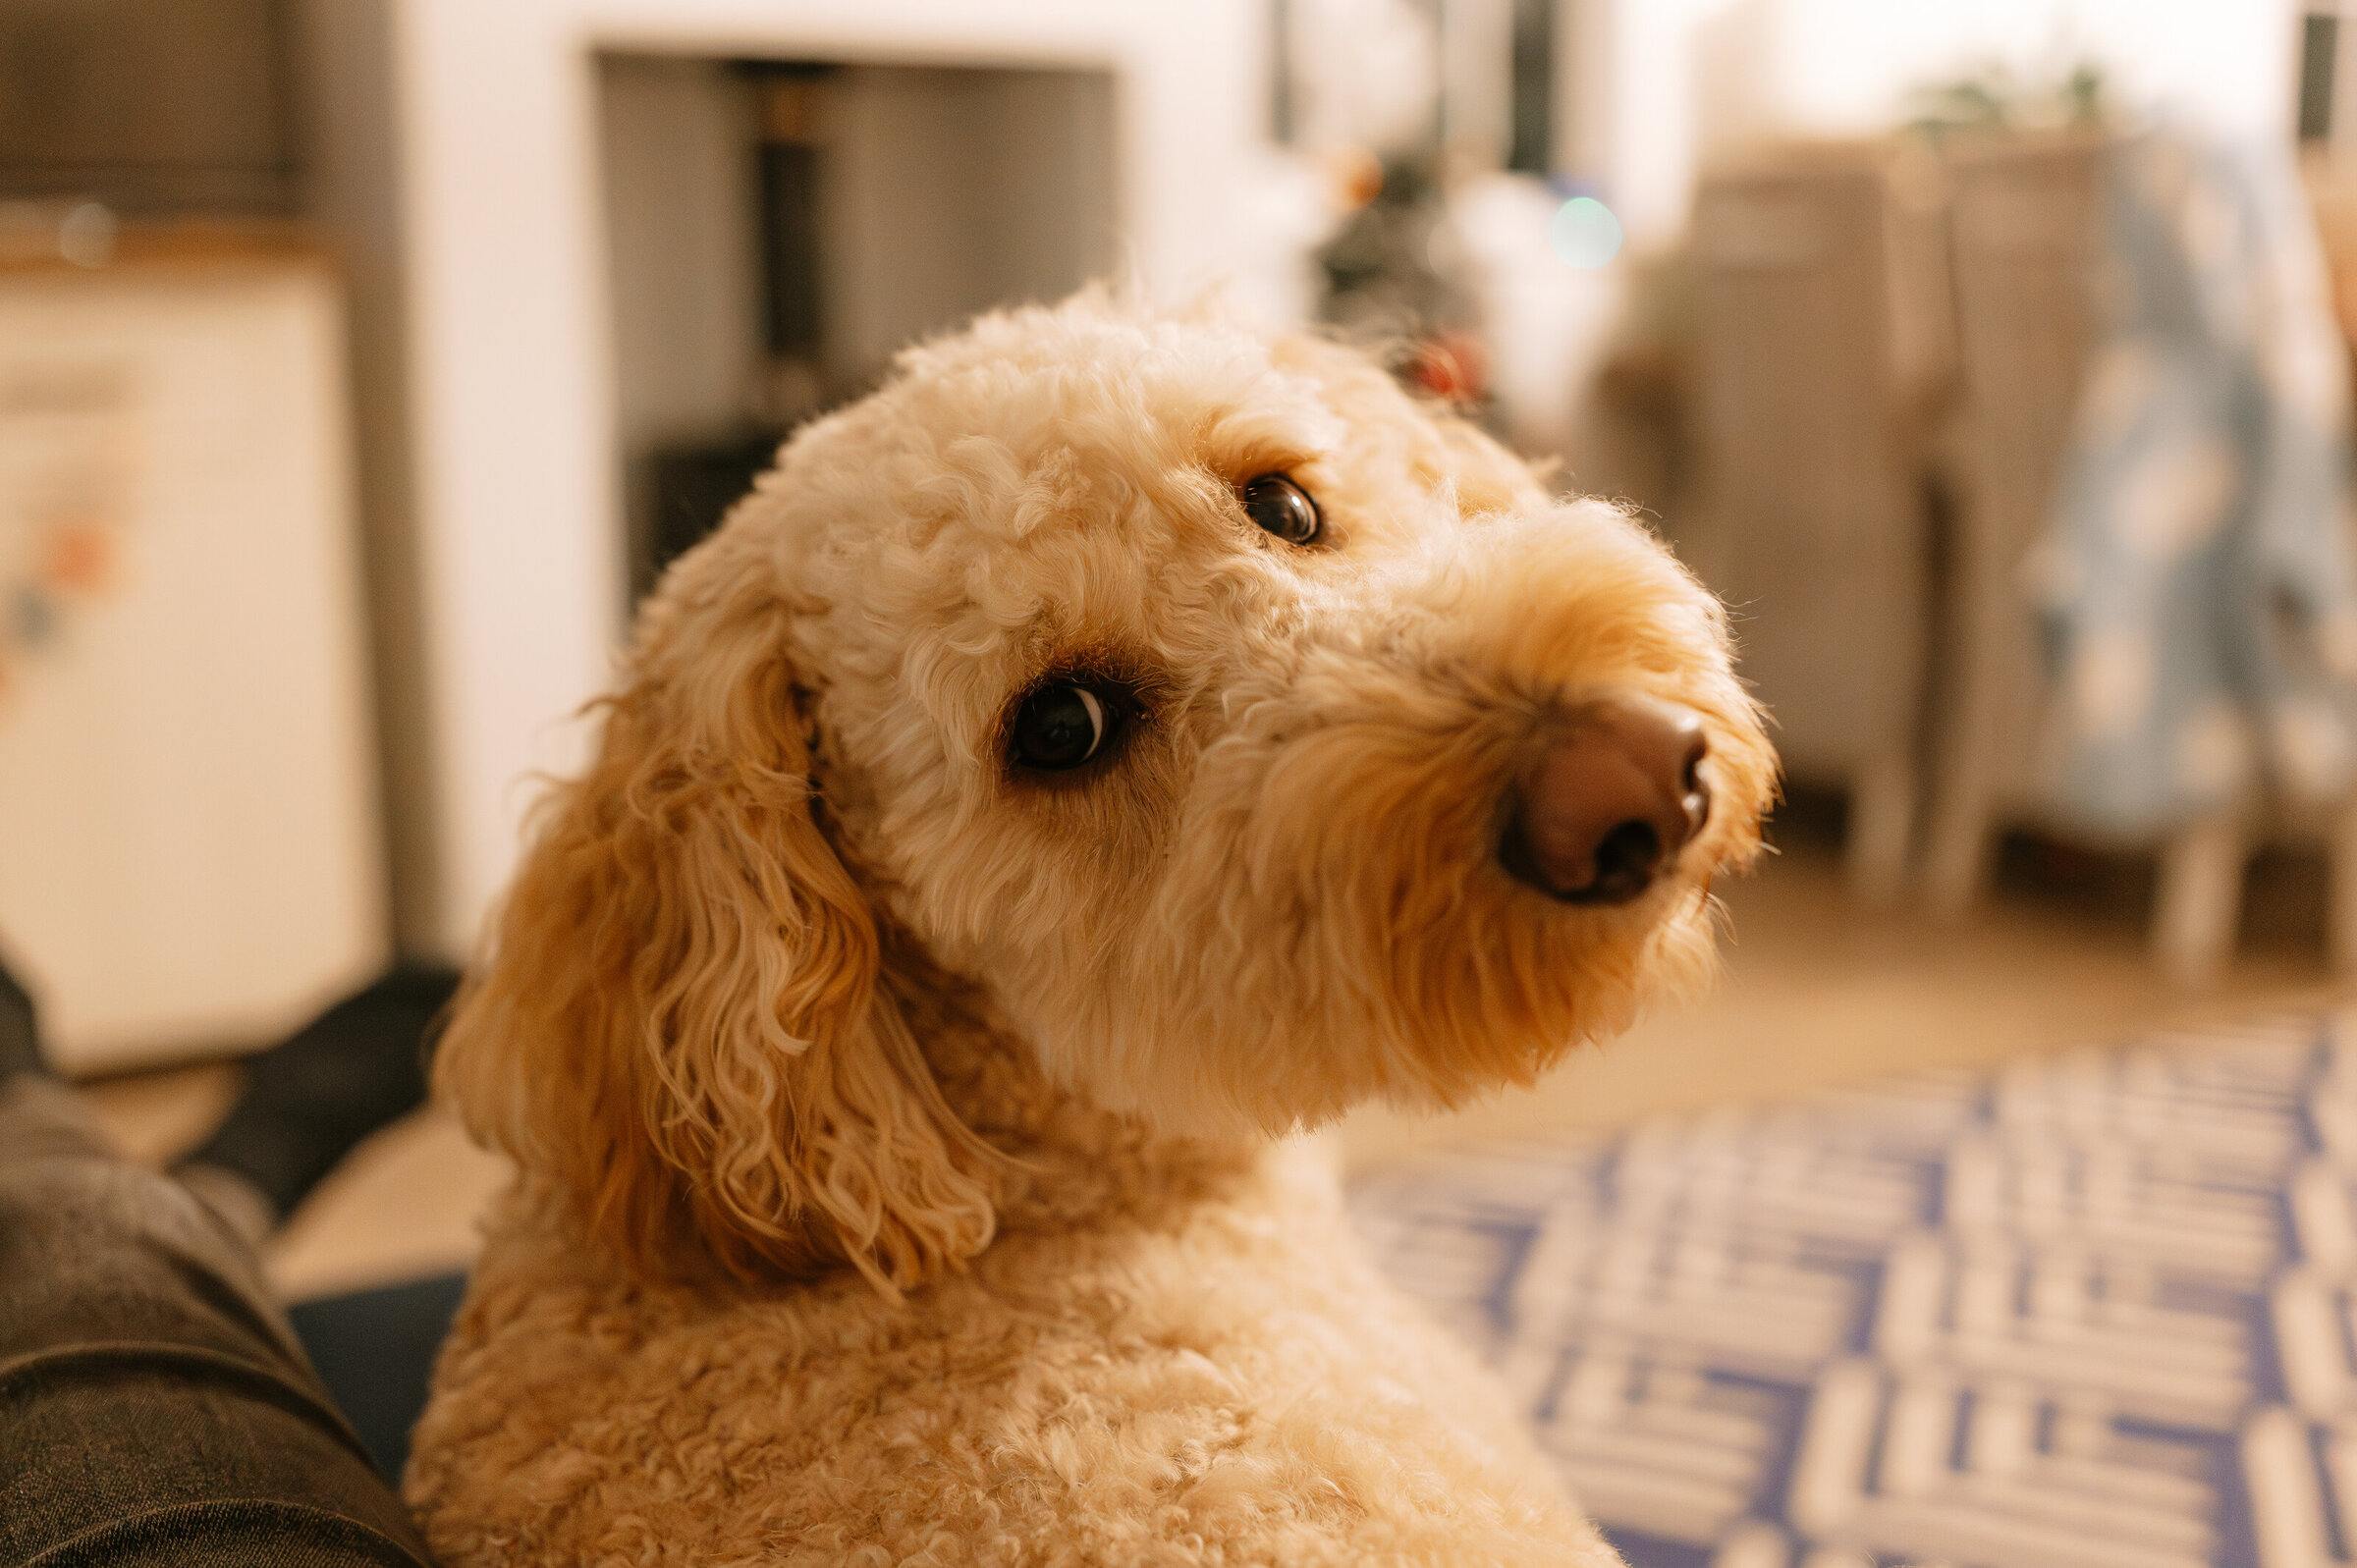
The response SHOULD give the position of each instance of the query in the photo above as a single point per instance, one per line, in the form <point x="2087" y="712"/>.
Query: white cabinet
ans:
<point x="189" y="848"/>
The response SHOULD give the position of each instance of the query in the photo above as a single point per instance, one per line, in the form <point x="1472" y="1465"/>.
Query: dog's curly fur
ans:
<point x="895" y="1123"/>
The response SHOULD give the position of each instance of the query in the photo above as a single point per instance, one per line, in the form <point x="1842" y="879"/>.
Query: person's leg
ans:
<point x="153" y="1406"/>
<point x="308" y="1101"/>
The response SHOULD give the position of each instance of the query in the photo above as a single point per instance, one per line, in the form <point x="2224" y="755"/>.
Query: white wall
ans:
<point x="1670" y="82"/>
<point x="510" y="367"/>
<point x="1844" y="63"/>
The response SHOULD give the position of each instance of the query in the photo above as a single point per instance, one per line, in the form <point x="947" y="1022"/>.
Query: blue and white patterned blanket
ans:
<point x="2197" y="582"/>
<point x="2097" y="1310"/>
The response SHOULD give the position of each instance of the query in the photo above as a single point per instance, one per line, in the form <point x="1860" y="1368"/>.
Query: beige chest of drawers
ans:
<point x="188" y="846"/>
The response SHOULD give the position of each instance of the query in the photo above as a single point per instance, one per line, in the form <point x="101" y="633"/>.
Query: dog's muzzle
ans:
<point x="1608" y="806"/>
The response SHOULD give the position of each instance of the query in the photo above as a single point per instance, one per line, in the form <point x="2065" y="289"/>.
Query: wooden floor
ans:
<point x="1817" y="992"/>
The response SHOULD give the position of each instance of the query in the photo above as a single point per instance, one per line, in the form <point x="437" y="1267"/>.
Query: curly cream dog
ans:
<point x="1114" y="744"/>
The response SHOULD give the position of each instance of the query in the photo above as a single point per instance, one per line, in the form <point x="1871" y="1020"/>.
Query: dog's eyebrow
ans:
<point x="1263" y="452"/>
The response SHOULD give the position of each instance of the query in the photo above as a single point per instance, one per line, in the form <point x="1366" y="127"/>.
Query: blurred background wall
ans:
<point x="588" y="259"/>
<point x="1684" y="81"/>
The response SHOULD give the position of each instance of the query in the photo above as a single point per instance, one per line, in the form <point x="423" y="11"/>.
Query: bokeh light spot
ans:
<point x="1584" y="232"/>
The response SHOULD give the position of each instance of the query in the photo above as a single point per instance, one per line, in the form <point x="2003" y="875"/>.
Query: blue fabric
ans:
<point x="2088" y="1312"/>
<point x="374" y="1350"/>
<point x="2197" y="581"/>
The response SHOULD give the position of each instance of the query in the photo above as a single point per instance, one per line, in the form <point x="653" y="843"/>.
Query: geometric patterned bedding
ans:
<point x="2094" y="1311"/>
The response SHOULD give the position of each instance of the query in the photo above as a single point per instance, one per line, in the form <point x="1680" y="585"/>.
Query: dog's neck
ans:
<point x="1067" y="1161"/>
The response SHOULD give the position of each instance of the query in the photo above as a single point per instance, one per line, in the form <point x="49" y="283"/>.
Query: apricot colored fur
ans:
<point x="904" y="1176"/>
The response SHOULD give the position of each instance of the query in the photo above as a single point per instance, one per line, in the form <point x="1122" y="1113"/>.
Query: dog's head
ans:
<point x="1260" y="741"/>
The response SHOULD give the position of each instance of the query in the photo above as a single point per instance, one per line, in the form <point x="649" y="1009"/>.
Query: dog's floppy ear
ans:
<point x="678" y="1020"/>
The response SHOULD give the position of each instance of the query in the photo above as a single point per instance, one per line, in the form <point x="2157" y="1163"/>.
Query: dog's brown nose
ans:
<point x="1611" y="803"/>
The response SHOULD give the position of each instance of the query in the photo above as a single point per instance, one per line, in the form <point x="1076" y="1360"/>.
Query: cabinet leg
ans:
<point x="2340" y="919"/>
<point x="1882" y="821"/>
<point x="2199" y="901"/>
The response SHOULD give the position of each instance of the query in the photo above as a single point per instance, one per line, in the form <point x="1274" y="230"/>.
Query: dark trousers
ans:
<point x="154" y="1407"/>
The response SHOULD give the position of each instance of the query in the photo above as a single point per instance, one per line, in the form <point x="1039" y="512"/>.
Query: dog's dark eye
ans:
<point x="1062" y="726"/>
<point x="1281" y="508"/>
